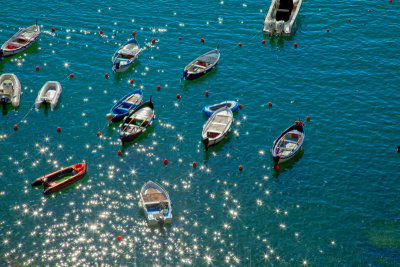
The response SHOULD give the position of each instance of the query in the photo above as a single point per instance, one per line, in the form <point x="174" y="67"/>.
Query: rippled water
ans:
<point x="336" y="205"/>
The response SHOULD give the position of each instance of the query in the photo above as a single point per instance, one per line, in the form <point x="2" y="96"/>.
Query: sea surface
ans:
<point x="336" y="205"/>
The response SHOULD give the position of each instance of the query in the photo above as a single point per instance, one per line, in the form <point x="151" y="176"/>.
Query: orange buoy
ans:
<point x="37" y="67"/>
<point x="206" y="93"/>
<point x="15" y="127"/>
<point x="194" y="164"/>
<point x="153" y="41"/>
<point x="202" y="40"/>
<point x="131" y="81"/>
<point x="133" y="33"/>
<point x="165" y="161"/>
<point x="270" y="104"/>
<point x="98" y="133"/>
<point x="101" y="32"/>
<point x="119" y="238"/>
<point x="308" y="118"/>
<point x="240" y="168"/>
<point x="178" y="96"/>
<point x="240" y="44"/>
<point x="52" y="29"/>
<point x="158" y="87"/>
<point x="240" y="106"/>
<point x="295" y="44"/>
<point x="71" y="75"/>
<point x="106" y="75"/>
<point x="58" y="129"/>
<point x="263" y="42"/>
<point x="119" y="152"/>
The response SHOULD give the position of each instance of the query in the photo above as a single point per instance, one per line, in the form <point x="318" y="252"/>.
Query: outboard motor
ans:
<point x="279" y="27"/>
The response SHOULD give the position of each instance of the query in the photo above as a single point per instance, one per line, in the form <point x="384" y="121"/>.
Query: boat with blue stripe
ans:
<point x="128" y="103"/>
<point x="126" y="55"/>
<point x="210" y="109"/>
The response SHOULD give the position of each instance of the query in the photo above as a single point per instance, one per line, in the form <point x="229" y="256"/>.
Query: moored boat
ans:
<point x="210" y="109"/>
<point x="137" y="122"/>
<point x="281" y="16"/>
<point x="59" y="179"/>
<point x="126" y="55"/>
<point x="288" y="144"/>
<point x="10" y="89"/>
<point x="201" y="65"/>
<point x="128" y="103"/>
<point x="49" y="94"/>
<point x="21" y="40"/>
<point x="217" y="127"/>
<point x="155" y="202"/>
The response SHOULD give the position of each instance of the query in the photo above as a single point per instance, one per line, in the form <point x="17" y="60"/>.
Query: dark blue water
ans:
<point x="337" y="205"/>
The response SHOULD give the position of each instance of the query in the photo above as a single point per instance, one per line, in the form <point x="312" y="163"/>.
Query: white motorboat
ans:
<point x="217" y="126"/>
<point x="21" y="40"/>
<point x="156" y="203"/>
<point x="10" y="89"/>
<point x="49" y="94"/>
<point x="281" y="17"/>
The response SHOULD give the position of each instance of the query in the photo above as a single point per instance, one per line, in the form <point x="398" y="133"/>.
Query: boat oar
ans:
<point x="128" y="124"/>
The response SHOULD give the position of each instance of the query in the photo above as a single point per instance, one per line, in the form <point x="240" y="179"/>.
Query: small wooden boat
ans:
<point x="137" y="122"/>
<point x="201" y="65"/>
<point x="217" y="127"/>
<point x="210" y="109"/>
<point x="281" y="16"/>
<point x="126" y="56"/>
<point x="288" y="143"/>
<point x="21" y="40"/>
<point x="57" y="180"/>
<point x="128" y="103"/>
<point x="156" y="203"/>
<point x="10" y="89"/>
<point x="49" y="94"/>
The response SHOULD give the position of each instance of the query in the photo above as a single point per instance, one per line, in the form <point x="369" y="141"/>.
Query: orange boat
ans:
<point x="57" y="180"/>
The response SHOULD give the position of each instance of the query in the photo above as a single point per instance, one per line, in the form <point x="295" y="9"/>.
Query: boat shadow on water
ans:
<point x="185" y="84"/>
<point x="119" y="76"/>
<point x="6" y="108"/>
<point x="288" y="164"/>
<point x="218" y="147"/>
<point x="139" y="138"/>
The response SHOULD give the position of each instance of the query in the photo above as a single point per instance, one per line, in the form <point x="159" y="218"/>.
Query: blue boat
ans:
<point x="128" y="103"/>
<point x="210" y="109"/>
<point x="126" y="56"/>
<point x="201" y="65"/>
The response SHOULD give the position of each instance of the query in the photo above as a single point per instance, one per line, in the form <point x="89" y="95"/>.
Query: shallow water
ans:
<point x="336" y="205"/>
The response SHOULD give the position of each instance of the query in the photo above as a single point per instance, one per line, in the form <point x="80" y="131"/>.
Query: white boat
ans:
<point x="49" y="94"/>
<point x="126" y="55"/>
<point x="21" y="40"/>
<point x="281" y="17"/>
<point x="10" y="89"/>
<point x="156" y="203"/>
<point x="217" y="126"/>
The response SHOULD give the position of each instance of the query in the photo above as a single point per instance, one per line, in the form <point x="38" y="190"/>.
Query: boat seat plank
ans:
<point x="220" y="128"/>
<point x="283" y="10"/>
<point x="154" y="197"/>
<point x="222" y="119"/>
<point x="200" y="66"/>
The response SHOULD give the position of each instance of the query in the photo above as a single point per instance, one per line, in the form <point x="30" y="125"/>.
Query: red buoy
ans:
<point x="153" y="41"/>
<point x="119" y="152"/>
<point x="101" y="32"/>
<point x="98" y="133"/>
<point x="119" y="238"/>
<point x="240" y="106"/>
<point x="206" y="93"/>
<point x="106" y="75"/>
<point x="37" y="67"/>
<point x="349" y="19"/>
<point x="194" y="164"/>
<point x="158" y="87"/>
<point x="15" y="127"/>
<point x="131" y="81"/>
<point x="390" y="1"/>
<point x="58" y="129"/>
<point x="263" y="41"/>
<point x="202" y="40"/>
<point x="295" y="44"/>
<point x="52" y="29"/>
<point x="240" y="168"/>
<point x="165" y="161"/>
<point x="133" y="33"/>
<point x="270" y="104"/>
<point x="308" y="118"/>
<point x="327" y="30"/>
<point x="180" y="38"/>
<point x="178" y="96"/>
<point x="277" y="167"/>
<point x="240" y="44"/>
<point x="71" y="75"/>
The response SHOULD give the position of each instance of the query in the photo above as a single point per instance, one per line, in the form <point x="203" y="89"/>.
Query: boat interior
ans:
<point x="289" y="143"/>
<point x="284" y="10"/>
<point x="6" y="87"/>
<point x="226" y="104"/>
<point x="153" y="195"/>
<point x="218" y="125"/>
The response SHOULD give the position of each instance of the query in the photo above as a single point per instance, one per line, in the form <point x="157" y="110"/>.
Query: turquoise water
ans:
<point x="337" y="205"/>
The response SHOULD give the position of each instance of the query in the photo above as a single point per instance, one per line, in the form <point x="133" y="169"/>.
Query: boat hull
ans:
<point x="194" y="76"/>
<point x="53" y="99"/>
<point x="10" y="92"/>
<point x="209" y="110"/>
<point x="10" y="51"/>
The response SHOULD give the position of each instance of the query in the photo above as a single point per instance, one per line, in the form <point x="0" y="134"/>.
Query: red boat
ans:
<point x="57" y="180"/>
